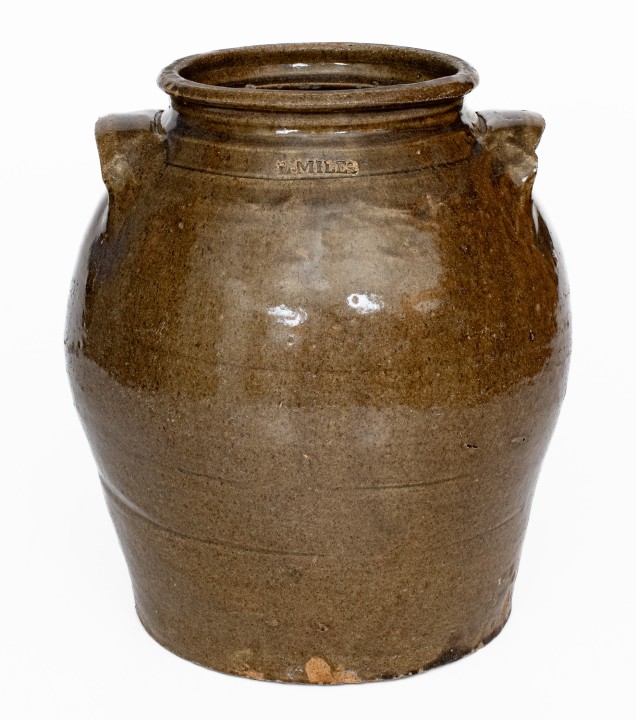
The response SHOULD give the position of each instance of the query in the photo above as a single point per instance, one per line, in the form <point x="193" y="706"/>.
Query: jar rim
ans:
<point x="317" y="77"/>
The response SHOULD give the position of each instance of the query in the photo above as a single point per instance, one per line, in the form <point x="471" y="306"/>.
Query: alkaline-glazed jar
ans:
<point x="318" y="337"/>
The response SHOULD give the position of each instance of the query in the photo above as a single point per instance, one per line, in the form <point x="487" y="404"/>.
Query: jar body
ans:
<point x="318" y="401"/>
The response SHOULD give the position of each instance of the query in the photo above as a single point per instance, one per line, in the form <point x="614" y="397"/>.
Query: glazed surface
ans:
<point x="318" y="378"/>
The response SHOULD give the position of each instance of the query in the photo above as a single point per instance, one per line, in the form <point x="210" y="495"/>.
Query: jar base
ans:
<point x="318" y="672"/>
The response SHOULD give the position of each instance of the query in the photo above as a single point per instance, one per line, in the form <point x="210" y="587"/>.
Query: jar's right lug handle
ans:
<point x="511" y="137"/>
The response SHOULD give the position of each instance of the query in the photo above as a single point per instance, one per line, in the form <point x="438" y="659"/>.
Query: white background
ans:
<point x="70" y="643"/>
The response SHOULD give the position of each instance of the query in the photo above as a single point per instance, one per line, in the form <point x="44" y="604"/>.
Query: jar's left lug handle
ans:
<point x="131" y="153"/>
<point x="512" y="137"/>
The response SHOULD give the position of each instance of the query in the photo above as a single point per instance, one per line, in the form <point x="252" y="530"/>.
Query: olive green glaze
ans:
<point x="318" y="339"/>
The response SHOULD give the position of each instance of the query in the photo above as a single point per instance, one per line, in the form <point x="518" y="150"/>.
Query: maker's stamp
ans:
<point x="317" y="166"/>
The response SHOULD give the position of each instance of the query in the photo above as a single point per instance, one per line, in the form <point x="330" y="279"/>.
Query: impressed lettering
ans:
<point x="318" y="166"/>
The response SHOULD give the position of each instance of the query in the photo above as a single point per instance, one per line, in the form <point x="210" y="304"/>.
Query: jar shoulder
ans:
<point x="418" y="276"/>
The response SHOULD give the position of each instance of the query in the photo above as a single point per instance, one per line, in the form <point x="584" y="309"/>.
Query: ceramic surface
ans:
<point x="318" y="337"/>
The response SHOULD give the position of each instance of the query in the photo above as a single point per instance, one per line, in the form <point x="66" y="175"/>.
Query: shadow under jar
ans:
<point x="318" y="337"/>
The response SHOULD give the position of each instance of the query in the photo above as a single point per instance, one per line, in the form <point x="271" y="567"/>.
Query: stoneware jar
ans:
<point x="318" y="337"/>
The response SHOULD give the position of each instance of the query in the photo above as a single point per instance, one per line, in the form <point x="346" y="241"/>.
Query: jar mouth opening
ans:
<point x="317" y="77"/>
